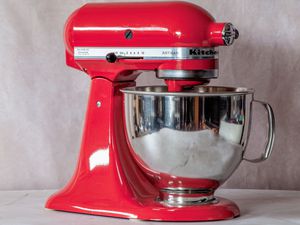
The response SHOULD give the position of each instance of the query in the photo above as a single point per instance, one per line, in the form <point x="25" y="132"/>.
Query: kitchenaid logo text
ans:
<point x="202" y="52"/>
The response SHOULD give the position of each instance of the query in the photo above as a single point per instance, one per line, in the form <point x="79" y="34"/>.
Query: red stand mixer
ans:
<point x="119" y="173"/>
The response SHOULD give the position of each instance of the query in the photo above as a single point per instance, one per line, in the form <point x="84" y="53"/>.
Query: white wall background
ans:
<point x="42" y="101"/>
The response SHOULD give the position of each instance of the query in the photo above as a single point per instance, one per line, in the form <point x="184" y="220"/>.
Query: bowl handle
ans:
<point x="271" y="134"/>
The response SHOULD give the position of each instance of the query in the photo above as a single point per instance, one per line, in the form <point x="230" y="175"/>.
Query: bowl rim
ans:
<point x="206" y="91"/>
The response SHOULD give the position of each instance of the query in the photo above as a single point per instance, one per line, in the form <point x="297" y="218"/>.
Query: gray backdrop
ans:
<point x="42" y="101"/>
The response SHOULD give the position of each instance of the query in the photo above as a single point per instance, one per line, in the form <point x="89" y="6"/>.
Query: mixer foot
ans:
<point x="220" y="209"/>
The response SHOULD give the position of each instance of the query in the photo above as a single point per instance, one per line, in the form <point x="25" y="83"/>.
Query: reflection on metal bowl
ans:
<point x="191" y="140"/>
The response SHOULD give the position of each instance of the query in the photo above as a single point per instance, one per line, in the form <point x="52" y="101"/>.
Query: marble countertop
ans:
<point x="257" y="207"/>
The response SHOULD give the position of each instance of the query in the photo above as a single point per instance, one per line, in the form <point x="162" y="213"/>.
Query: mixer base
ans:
<point x="108" y="182"/>
<point x="221" y="209"/>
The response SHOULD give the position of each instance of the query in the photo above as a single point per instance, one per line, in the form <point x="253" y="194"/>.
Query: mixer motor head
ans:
<point x="177" y="40"/>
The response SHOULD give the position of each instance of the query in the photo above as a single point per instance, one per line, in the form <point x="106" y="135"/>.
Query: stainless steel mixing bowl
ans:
<point x="186" y="141"/>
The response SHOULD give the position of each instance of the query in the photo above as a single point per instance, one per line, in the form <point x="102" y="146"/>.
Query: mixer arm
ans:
<point x="271" y="134"/>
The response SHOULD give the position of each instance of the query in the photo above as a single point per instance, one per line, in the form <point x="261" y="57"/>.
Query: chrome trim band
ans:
<point x="149" y="53"/>
<point x="188" y="74"/>
<point x="182" y="190"/>
<point x="178" y="197"/>
<point x="195" y="91"/>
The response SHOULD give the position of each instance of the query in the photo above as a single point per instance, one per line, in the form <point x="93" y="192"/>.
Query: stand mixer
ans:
<point x="155" y="152"/>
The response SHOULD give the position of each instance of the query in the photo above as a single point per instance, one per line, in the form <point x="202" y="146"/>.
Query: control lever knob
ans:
<point x="111" y="57"/>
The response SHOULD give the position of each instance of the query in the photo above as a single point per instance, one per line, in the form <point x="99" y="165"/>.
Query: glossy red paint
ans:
<point x="107" y="180"/>
<point x="175" y="24"/>
<point x="154" y="24"/>
<point x="215" y="34"/>
<point x="178" y="85"/>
